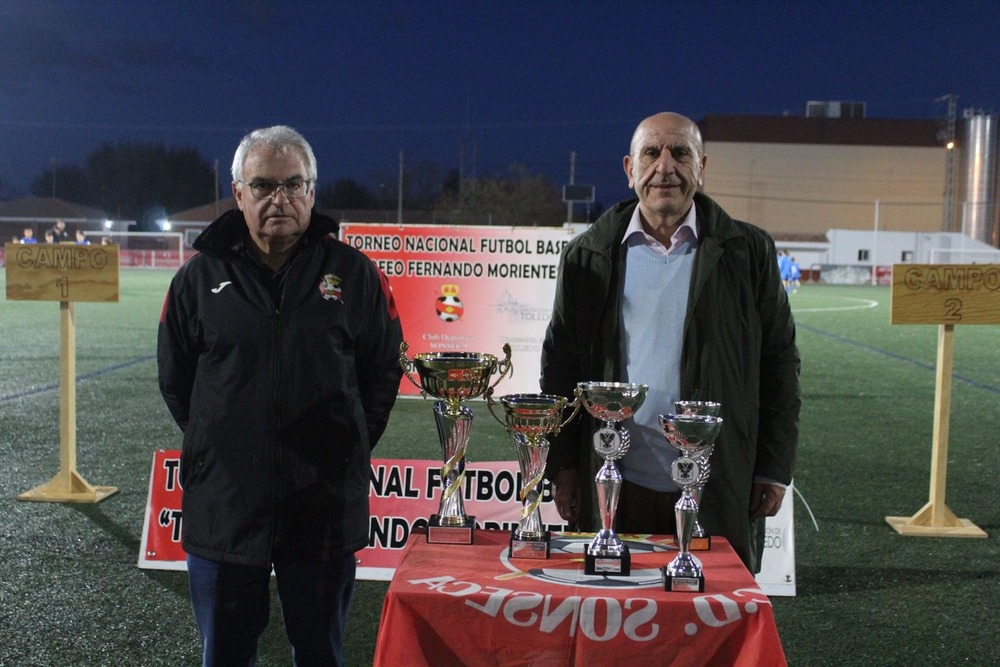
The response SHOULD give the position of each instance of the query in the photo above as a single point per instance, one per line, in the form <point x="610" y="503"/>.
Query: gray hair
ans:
<point x="279" y="137"/>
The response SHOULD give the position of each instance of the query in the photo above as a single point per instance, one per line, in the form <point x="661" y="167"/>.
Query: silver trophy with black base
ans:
<point x="612" y="403"/>
<point x="700" y="540"/>
<point x="693" y="435"/>
<point x="529" y="418"/>
<point x="453" y="377"/>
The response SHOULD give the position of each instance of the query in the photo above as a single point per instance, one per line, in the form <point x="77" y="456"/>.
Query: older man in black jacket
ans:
<point x="278" y="358"/>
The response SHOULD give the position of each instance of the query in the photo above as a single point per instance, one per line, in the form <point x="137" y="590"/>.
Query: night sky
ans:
<point x="525" y="82"/>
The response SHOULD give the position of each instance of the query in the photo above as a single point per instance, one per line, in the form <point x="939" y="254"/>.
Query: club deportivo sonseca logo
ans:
<point x="599" y="617"/>
<point x="448" y="306"/>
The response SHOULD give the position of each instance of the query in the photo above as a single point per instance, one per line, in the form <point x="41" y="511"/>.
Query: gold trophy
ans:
<point x="453" y="377"/>
<point x="612" y="403"/>
<point x="528" y="419"/>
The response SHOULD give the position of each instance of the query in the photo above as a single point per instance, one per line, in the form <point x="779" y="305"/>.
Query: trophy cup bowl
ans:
<point x="693" y="435"/>
<point x="697" y="408"/>
<point x="453" y="377"/>
<point x="529" y="418"/>
<point x="612" y="403"/>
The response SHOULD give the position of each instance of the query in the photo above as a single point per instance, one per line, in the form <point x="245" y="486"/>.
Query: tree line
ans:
<point x="143" y="181"/>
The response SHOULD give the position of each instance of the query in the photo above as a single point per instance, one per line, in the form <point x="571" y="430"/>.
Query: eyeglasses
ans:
<point x="293" y="189"/>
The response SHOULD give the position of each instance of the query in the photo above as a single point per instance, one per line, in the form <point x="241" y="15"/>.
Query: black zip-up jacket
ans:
<point x="280" y="405"/>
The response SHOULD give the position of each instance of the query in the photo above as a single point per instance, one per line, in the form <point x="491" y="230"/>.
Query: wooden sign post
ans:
<point x="65" y="273"/>
<point x="946" y="295"/>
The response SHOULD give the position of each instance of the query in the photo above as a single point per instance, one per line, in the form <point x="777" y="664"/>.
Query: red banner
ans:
<point x="469" y="289"/>
<point x="160" y="548"/>
<point x="404" y="493"/>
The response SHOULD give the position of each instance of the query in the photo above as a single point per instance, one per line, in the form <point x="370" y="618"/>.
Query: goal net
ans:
<point x="964" y="256"/>
<point x="145" y="250"/>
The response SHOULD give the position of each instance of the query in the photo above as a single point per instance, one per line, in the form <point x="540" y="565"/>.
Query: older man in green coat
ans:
<point x="726" y="335"/>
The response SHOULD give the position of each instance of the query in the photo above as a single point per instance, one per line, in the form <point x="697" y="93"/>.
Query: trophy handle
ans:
<point x="407" y="365"/>
<point x="504" y="367"/>
<point x="577" y="404"/>
<point x="489" y="405"/>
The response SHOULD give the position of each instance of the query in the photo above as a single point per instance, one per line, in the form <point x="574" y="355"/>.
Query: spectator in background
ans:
<point x="59" y="233"/>
<point x="50" y="237"/>
<point x="81" y="238"/>
<point x="28" y="236"/>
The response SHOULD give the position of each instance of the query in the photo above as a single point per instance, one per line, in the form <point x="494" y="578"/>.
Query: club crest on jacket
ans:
<point x="330" y="288"/>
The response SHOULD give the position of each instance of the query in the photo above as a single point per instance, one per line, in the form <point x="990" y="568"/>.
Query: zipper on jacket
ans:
<point x="276" y="489"/>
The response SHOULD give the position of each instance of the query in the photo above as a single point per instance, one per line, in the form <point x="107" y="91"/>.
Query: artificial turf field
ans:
<point x="71" y="594"/>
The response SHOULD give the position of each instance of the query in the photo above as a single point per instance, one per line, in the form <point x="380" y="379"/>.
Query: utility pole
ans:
<point x="399" y="206"/>
<point x="572" y="176"/>
<point x="215" y="172"/>
<point x="948" y="217"/>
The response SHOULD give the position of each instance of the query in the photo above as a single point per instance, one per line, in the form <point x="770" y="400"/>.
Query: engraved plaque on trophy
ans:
<point x="453" y="377"/>
<point x="612" y="403"/>
<point x="529" y="418"/>
<point x="693" y="435"/>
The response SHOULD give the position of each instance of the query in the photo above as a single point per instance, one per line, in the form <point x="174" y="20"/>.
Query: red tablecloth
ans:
<point x="471" y="605"/>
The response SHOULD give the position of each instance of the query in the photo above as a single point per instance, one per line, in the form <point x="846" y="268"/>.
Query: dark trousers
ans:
<point x="642" y="510"/>
<point x="231" y="606"/>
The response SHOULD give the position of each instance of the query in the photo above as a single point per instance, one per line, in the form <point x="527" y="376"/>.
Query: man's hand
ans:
<point x="567" y="494"/>
<point x="765" y="499"/>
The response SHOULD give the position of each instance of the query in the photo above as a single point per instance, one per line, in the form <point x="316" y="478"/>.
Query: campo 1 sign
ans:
<point x="62" y="272"/>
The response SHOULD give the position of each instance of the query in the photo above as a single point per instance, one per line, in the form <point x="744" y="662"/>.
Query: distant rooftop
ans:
<point x="820" y="130"/>
<point x="48" y="208"/>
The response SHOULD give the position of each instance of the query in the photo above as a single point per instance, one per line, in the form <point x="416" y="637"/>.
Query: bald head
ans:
<point x="668" y="118"/>
<point x="664" y="166"/>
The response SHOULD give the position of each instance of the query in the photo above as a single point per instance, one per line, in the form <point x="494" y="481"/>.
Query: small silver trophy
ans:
<point x="453" y="377"/>
<point x="528" y="419"/>
<point x="693" y="435"/>
<point x="612" y="403"/>
<point x="700" y="541"/>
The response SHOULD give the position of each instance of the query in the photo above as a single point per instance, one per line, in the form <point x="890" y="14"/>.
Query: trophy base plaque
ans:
<point x="438" y="533"/>
<point x="522" y="547"/>
<point x="682" y="584"/>
<point x="620" y="564"/>
<point x="701" y="543"/>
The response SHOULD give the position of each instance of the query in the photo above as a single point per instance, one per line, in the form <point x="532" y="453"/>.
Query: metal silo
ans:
<point x="980" y="212"/>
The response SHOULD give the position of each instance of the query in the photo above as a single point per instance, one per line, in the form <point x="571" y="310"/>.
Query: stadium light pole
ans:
<point x="875" y="245"/>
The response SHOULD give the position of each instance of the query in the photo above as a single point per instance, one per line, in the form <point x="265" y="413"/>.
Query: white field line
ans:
<point x="860" y="305"/>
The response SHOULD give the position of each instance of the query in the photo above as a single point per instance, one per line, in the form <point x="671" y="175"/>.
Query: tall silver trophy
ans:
<point x="693" y="435"/>
<point x="612" y="403"/>
<point x="529" y="418"/>
<point x="453" y="377"/>
<point x="700" y="540"/>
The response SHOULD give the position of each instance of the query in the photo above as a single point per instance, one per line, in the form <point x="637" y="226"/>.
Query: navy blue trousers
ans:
<point x="232" y="604"/>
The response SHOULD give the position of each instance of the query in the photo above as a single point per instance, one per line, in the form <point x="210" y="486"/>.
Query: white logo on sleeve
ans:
<point x="222" y="286"/>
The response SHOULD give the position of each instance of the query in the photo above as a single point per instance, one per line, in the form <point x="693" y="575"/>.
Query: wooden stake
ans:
<point x="935" y="519"/>
<point x="67" y="485"/>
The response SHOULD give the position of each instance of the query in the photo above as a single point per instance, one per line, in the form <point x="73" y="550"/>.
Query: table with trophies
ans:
<point x="463" y="595"/>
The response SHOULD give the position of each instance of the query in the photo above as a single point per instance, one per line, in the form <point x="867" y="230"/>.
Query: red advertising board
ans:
<point x="469" y="289"/>
<point x="404" y="493"/>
